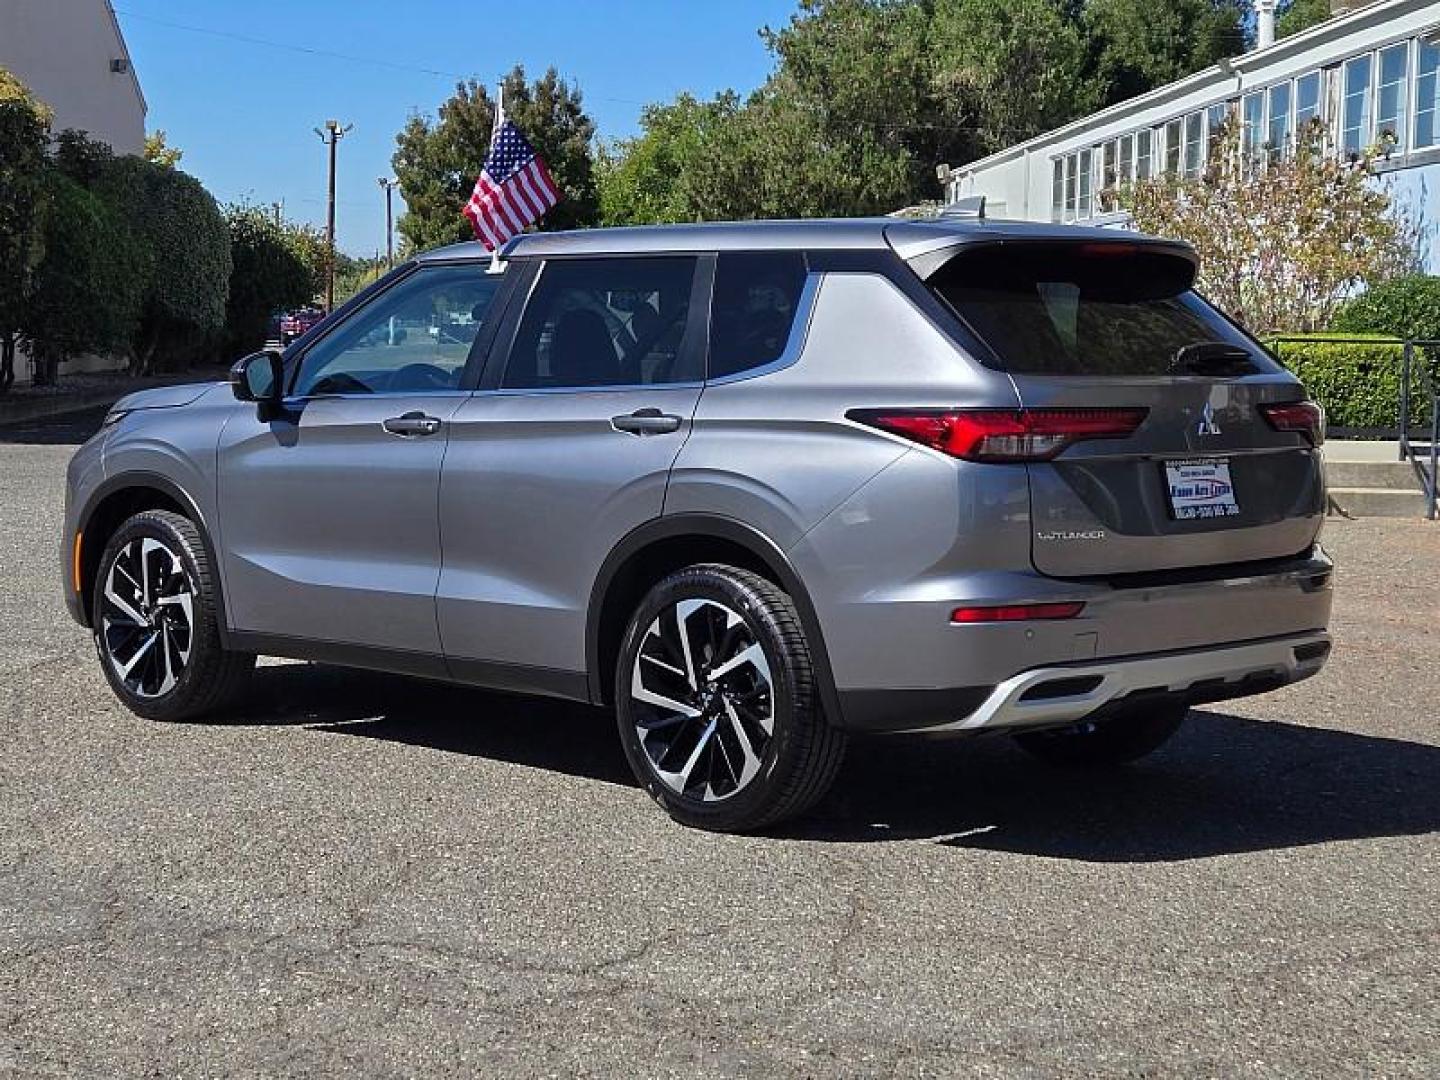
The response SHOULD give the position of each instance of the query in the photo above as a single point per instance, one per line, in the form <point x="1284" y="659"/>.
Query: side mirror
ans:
<point x="259" y="377"/>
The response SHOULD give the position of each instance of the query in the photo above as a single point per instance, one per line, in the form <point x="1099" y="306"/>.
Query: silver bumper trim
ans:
<point x="1006" y="706"/>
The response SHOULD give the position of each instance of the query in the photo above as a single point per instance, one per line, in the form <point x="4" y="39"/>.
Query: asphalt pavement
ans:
<point x="366" y="875"/>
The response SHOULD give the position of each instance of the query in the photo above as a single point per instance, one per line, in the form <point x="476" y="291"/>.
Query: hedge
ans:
<point x="1403" y="307"/>
<point x="1358" y="383"/>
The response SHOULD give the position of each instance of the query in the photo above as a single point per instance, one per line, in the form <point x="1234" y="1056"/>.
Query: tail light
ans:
<point x="1002" y="434"/>
<point x="1016" y="612"/>
<point x="1304" y="417"/>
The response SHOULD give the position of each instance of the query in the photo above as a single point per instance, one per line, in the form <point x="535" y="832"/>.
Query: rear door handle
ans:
<point x="646" y="422"/>
<point x="411" y="425"/>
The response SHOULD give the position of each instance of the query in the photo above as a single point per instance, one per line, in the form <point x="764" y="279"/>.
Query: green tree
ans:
<point x="87" y="289"/>
<point x="158" y="152"/>
<point x="652" y="177"/>
<point x="184" y="260"/>
<point x="1136" y="45"/>
<point x="1281" y="243"/>
<point x="271" y="270"/>
<point x="1300" y="15"/>
<point x="1407" y="306"/>
<point x="437" y="160"/>
<point x="24" y="133"/>
<point x="1018" y="66"/>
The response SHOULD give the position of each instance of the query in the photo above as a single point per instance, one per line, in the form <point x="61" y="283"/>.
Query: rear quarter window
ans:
<point x="756" y="301"/>
<point x="1093" y="309"/>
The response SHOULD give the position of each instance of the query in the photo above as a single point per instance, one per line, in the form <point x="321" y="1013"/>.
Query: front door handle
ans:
<point x="646" y="422"/>
<point x="411" y="425"/>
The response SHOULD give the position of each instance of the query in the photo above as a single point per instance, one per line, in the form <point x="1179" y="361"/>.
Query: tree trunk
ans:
<point x="7" y="362"/>
<point x="46" y="363"/>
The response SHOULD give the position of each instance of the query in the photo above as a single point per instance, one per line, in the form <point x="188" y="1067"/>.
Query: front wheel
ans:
<point x="1116" y="740"/>
<point x="717" y="705"/>
<point x="156" y="621"/>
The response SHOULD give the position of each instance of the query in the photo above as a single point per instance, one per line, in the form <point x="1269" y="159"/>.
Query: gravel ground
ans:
<point x="374" y="875"/>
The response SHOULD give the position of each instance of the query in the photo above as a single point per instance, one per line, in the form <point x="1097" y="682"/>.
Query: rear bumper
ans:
<point x="1065" y="693"/>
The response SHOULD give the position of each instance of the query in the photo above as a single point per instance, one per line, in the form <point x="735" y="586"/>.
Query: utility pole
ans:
<point x="389" y="186"/>
<point x="331" y="136"/>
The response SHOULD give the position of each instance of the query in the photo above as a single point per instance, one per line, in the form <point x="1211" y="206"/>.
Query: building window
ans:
<point x="1277" y="133"/>
<point x="1307" y="102"/>
<point x="1252" y="122"/>
<point x="1127" y="158"/>
<point x="1057" y="189"/>
<point x="1070" y="188"/>
<point x="1355" y="108"/>
<point x="1194" y="144"/>
<point x="1427" y="100"/>
<point x="1172" y="147"/>
<point x="1214" y="125"/>
<point x="1143" y="141"/>
<point x="1390" y="94"/>
<point x="1085" y="208"/>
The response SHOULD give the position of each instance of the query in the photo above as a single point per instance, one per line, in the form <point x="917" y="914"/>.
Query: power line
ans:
<point x="328" y="53"/>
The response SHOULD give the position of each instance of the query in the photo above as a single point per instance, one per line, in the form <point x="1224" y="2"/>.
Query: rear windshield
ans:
<point x="1093" y="309"/>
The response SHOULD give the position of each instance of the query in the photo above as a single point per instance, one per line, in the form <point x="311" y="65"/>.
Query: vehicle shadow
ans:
<point x="541" y="733"/>
<point x="1224" y="785"/>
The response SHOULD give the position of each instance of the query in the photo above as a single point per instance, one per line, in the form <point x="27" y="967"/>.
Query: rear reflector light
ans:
<point x="1304" y="417"/>
<point x="1002" y="434"/>
<point x="1016" y="612"/>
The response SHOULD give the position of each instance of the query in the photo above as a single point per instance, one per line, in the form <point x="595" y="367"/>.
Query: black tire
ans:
<point x="1116" y="740"/>
<point x="202" y="678"/>
<point x="797" y="758"/>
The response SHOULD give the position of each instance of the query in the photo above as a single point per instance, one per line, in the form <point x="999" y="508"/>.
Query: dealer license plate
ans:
<point x="1201" y="488"/>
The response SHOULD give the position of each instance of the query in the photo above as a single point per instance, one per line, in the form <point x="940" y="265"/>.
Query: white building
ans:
<point x="72" y="56"/>
<point x="1365" y="72"/>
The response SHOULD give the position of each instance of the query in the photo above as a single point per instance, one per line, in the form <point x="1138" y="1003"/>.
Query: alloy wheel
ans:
<point x="147" y="617"/>
<point x="703" y="700"/>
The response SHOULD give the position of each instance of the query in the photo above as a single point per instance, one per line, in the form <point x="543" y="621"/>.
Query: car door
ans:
<point x="565" y="449"/>
<point x="330" y="527"/>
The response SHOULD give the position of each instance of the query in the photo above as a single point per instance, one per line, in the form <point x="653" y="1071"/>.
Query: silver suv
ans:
<point x="754" y="486"/>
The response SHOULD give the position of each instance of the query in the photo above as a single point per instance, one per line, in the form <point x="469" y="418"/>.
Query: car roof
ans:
<point x="908" y="238"/>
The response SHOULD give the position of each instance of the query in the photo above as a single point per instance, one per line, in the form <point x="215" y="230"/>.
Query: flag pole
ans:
<point x="495" y="267"/>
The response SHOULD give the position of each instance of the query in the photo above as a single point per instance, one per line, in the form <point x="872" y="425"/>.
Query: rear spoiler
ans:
<point x="927" y="246"/>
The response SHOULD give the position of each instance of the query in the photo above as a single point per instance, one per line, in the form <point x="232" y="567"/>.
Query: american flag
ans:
<point x="513" y="190"/>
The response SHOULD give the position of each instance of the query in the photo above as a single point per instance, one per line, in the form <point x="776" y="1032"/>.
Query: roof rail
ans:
<point x="970" y="206"/>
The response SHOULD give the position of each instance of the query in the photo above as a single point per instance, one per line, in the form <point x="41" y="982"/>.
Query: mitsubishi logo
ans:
<point x="1207" y="425"/>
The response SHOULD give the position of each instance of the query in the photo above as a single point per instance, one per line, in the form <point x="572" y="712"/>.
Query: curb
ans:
<point x="14" y="412"/>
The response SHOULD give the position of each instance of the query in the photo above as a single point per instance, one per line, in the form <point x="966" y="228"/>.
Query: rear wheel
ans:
<point x="1116" y="740"/>
<point x="156" y="622"/>
<point x="716" y="701"/>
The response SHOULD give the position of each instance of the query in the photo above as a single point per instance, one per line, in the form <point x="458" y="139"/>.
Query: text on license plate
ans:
<point x="1201" y="488"/>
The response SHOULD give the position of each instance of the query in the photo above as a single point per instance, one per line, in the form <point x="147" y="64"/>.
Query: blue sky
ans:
<point x="243" y="110"/>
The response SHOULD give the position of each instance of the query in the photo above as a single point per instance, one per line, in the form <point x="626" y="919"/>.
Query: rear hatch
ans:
<point x="1213" y="474"/>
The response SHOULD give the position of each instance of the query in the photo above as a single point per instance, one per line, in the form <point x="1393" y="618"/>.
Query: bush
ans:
<point x="1358" y="383"/>
<point x="87" y="290"/>
<point x="270" y="272"/>
<point x="1403" y="307"/>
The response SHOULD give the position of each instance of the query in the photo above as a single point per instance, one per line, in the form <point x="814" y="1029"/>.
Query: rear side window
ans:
<point x="757" y="296"/>
<point x="606" y="322"/>
<point x="1093" y="309"/>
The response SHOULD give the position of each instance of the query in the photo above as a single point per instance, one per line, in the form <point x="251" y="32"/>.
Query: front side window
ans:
<point x="1390" y="126"/>
<point x="1355" y="108"/>
<point x="413" y="338"/>
<point x="605" y="322"/>
<point x="752" y="314"/>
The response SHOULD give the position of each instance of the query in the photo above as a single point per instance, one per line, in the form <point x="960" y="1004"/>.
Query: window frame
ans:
<point x="694" y="340"/>
<point x="1405" y="90"/>
<point x="1366" y="97"/>
<point x="1418" y="105"/>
